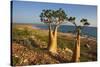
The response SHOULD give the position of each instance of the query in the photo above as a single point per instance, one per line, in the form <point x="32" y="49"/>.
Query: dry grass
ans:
<point x="29" y="47"/>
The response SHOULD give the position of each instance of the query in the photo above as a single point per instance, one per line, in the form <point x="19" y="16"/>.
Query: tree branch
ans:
<point x="55" y="29"/>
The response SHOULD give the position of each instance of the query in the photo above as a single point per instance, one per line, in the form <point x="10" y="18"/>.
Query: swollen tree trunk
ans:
<point x="53" y="43"/>
<point x="50" y="36"/>
<point x="76" y="54"/>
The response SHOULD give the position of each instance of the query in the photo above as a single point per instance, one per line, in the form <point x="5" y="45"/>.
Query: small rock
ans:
<point x="25" y="61"/>
<point x="68" y="50"/>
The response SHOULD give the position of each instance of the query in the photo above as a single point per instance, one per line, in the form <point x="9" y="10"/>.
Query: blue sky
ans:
<point x="28" y="12"/>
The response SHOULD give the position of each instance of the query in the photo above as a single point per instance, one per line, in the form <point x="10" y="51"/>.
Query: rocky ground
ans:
<point x="29" y="47"/>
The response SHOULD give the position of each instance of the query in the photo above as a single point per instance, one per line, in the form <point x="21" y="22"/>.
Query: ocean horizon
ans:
<point x="89" y="31"/>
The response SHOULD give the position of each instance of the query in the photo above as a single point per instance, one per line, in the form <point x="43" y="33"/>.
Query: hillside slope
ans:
<point x="29" y="47"/>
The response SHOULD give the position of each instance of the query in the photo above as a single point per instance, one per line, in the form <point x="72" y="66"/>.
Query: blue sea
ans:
<point x="90" y="31"/>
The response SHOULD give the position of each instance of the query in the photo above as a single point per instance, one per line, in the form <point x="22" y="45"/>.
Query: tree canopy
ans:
<point x="56" y="17"/>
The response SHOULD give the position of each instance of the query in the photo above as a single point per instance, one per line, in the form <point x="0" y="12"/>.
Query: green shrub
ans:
<point x="15" y="60"/>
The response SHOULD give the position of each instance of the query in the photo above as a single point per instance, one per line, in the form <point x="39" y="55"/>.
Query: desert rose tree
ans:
<point x="53" y="19"/>
<point x="78" y="28"/>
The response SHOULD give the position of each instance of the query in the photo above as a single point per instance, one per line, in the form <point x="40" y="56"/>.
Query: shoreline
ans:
<point x="61" y="33"/>
<point x="68" y="34"/>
